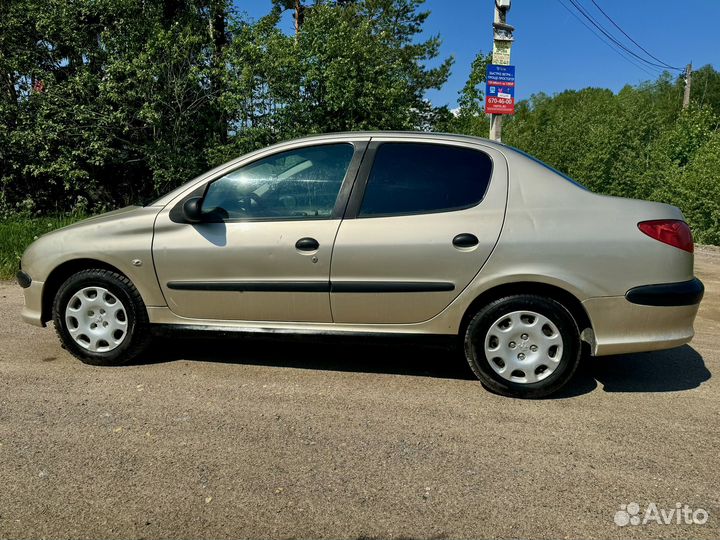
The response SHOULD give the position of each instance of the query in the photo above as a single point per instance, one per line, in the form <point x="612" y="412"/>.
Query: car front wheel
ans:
<point x="523" y="346"/>
<point x="101" y="318"/>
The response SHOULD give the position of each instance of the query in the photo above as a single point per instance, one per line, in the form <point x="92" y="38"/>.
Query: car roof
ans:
<point x="400" y="135"/>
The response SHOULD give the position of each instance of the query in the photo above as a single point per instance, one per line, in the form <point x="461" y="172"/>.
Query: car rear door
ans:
<point x="422" y="220"/>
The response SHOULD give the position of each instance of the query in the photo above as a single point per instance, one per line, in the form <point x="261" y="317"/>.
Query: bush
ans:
<point x="695" y="189"/>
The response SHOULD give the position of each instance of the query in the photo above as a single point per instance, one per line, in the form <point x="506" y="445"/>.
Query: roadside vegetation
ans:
<point x="104" y="104"/>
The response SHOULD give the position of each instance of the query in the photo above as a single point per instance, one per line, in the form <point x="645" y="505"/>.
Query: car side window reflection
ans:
<point x="297" y="184"/>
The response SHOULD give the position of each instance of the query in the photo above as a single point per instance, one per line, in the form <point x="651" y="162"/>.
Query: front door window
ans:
<point x="298" y="184"/>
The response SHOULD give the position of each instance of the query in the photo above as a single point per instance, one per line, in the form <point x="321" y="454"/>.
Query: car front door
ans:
<point x="422" y="220"/>
<point x="262" y="250"/>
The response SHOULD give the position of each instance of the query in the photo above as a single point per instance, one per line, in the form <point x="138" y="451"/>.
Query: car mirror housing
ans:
<point x="192" y="210"/>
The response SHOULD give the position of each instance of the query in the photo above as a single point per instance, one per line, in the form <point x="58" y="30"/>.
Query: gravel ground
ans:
<point x="234" y="438"/>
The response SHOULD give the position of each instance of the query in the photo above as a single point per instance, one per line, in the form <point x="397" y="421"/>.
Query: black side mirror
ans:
<point x="192" y="210"/>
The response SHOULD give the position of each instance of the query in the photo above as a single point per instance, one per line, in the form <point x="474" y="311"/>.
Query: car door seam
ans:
<point x="342" y="219"/>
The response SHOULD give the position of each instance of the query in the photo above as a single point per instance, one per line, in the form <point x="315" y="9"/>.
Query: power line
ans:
<point x="606" y="42"/>
<point x="600" y="37"/>
<point x="584" y="13"/>
<point x="631" y="39"/>
<point x="589" y="17"/>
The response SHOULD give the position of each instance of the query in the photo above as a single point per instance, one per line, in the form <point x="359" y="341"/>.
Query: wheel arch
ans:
<point x="568" y="300"/>
<point x="61" y="273"/>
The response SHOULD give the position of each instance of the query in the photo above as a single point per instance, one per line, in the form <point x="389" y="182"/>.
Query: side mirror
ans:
<point x="192" y="210"/>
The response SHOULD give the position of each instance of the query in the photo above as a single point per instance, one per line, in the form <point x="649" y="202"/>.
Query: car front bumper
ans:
<point x="647" y="318"/>
<point x="32" y="312"/>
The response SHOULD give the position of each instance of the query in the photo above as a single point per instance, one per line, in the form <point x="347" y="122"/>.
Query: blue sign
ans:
<point x="500" y="89"/>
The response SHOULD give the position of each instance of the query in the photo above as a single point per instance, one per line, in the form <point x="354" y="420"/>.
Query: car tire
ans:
<point x="101" y="318"/>
<point x="523" y="346"/>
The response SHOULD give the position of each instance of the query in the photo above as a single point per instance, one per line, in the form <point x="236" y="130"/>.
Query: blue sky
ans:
<point x="553" y="51"/>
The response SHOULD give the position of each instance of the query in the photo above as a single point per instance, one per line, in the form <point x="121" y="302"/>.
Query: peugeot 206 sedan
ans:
<point x="379" y="233"/>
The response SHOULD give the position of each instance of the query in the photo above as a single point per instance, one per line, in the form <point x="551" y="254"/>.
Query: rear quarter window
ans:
<point x="419" y="178"/>
<point x="548" y="167"/>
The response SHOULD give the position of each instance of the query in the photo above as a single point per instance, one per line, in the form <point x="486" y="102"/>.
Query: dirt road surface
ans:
<point x="237" y="438"/>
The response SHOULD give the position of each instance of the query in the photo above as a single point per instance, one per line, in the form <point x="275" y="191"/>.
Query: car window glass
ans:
<point x="414" y="178"/>
<point x="297" y="184"/>
<point x="545" y="165"/>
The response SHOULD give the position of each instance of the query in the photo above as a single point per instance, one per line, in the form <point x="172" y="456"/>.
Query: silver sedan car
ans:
<point x="378" y="234"/>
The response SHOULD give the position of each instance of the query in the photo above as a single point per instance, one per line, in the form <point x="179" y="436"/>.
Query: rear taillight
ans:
<point x="670" y="231"/>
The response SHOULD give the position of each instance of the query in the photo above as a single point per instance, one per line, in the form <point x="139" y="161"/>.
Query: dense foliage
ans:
<point x="109" y="102"/>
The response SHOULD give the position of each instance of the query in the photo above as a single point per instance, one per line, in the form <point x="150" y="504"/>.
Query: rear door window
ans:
<point x="420" y="178"/>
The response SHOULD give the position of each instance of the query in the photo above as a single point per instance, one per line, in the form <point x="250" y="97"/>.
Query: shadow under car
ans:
<point x="670" y="370"/>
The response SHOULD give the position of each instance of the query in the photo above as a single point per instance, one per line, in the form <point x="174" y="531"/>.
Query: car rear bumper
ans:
<point x="647" y="318"/>
<point x="685" y="293"/>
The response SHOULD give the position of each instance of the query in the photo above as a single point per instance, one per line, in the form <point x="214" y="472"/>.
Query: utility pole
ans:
<point x="502" y="43"/>
<point x="688" y="83"/>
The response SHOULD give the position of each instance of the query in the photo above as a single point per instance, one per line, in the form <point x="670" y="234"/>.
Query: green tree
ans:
<point x="696" y="190"/>
<point x="106" y="102"/>
<point x="469" y="118"/>
<point x="358" y="66"/>
<point x="706" y="88"/>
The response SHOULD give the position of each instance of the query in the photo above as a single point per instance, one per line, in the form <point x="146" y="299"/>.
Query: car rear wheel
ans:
<point x="523" y="346"/>
<point x="101" y="318"/>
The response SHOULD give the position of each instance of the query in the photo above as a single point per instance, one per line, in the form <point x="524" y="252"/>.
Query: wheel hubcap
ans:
<point x="523" y="347"/>
<point x="96" y="319"/>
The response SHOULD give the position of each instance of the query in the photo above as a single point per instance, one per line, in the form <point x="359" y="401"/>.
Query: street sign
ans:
<point x="500" y="89"/>
<point x="501" y="52"/>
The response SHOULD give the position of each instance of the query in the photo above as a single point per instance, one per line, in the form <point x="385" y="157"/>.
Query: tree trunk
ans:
<point x="218" y="16"/>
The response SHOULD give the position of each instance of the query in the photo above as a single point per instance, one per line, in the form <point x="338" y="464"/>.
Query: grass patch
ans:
<point x="16" y="234"/>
